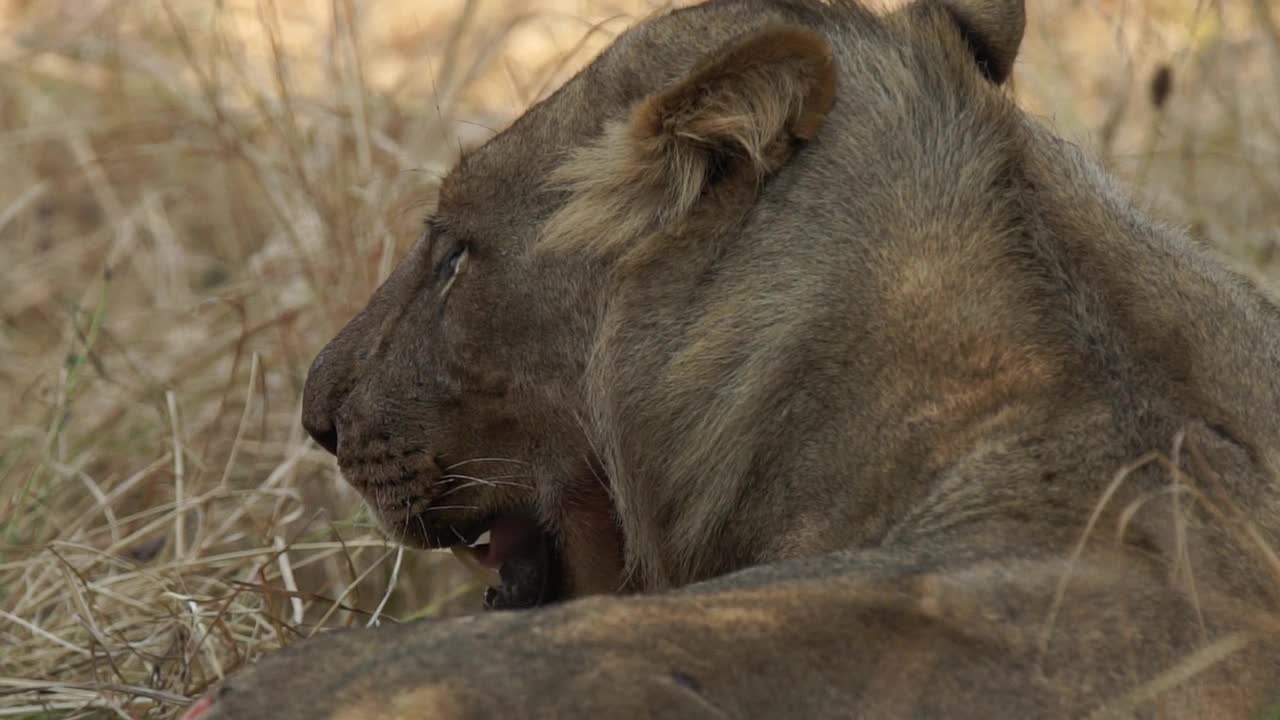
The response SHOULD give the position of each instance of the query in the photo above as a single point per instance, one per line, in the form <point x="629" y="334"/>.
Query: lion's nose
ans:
<point x="322" y="431"/>
<point x="320" y="399"/>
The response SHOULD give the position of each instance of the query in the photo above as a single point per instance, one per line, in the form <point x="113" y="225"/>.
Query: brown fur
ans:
<point x="872" y="396"/>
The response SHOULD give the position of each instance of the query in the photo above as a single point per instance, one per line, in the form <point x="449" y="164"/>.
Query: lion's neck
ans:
<point x="811" y="383"/>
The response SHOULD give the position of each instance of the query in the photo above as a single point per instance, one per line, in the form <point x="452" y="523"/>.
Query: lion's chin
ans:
<point x="527" y="559"/>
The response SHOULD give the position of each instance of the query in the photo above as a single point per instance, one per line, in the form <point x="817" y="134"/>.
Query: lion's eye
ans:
<point x="455" y="257"/>
<point x="451" y="262"/>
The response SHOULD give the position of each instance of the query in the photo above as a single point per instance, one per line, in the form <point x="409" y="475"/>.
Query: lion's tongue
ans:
<point x="508" y="538"/>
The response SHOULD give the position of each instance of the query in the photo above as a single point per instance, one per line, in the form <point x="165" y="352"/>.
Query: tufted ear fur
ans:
<point x="732" y="121"/>
<point x="993" y="29"/>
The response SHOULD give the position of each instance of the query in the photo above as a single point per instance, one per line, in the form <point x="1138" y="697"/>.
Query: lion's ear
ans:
<point x="733" y="120"/>
<point x="747" y="104"/>
<point x="993" y="29"/>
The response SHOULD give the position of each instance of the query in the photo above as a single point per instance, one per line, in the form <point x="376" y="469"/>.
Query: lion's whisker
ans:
<point x="450" y="507"/>
<point x="484" y="459"/>
<point x="495" y="479"/>
<point x="422" y="527"/>
<point x="456" y="534"/>
<point x="453" y="490"/>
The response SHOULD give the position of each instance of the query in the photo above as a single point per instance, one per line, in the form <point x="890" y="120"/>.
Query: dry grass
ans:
<point x="195" y="199"/>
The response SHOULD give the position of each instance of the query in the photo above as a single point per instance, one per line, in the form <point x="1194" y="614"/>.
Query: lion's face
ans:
<point x="468" y="397"/>
<point x="450" y="401"/>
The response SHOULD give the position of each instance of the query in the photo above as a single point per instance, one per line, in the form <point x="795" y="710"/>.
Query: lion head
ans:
<point x="631" y="334"/>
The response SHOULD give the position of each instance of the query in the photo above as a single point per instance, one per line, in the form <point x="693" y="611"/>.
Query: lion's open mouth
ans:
<point x="527" y="559"/>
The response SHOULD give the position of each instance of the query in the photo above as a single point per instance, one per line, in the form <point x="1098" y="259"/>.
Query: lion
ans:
<point x="792" y="370"/>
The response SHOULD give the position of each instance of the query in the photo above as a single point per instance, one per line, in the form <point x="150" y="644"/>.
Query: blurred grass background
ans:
<point x="196" y="195"/>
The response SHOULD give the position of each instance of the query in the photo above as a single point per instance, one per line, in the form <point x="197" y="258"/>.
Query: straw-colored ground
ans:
<point x="194" y="196"/>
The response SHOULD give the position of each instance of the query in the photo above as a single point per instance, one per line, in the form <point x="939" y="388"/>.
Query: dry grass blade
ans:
<point x="1190" y="666"/>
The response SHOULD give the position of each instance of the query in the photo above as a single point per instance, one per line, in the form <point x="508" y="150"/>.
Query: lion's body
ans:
<point x="899" y="405"/>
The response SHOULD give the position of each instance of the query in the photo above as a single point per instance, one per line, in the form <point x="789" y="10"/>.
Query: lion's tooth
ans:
<point x="482" y="540"/>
